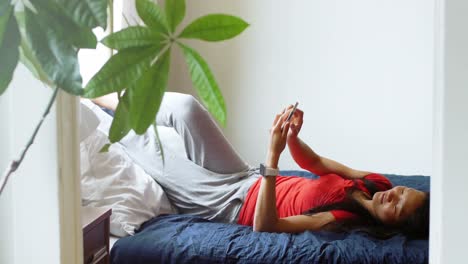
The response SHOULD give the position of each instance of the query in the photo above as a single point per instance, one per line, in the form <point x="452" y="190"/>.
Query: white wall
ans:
<point x="448" y="187"/>
<point x="32" y="206"/>
<point x="361" y="70"/>
<point x="6" y="200"/>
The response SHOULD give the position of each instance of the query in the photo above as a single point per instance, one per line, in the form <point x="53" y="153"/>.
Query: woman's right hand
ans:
<point x="295" y="122"/>
<point x="278" y="135"/>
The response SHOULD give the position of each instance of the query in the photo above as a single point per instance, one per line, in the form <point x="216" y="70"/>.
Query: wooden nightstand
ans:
<point x="96" y="223"/>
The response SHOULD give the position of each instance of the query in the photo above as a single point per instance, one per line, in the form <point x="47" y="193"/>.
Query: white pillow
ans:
<point x="88" y="122"/>
<point x="113" y="180"/>
<point x="170" y="139"/>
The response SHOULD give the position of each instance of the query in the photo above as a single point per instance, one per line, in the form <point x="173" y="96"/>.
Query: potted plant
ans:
<point x="46" y="35"/>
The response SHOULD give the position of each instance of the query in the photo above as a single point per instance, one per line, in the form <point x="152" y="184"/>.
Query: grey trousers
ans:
<point x="211" y="180"/>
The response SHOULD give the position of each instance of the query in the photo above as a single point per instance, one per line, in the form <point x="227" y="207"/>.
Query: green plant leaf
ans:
<point x="9" y="51"/>
<point x="6" y="11"/>
<point x="121" y="123"/>
<point x="86" y="13"/>
<point x="215" y="27"/>
<point x="26" y="55"/>
<point x="51" y="44"/>
<point x="62" y="25"/>
<point x="54" y="39"/>
<point x="175" y="12"/>
<point x="132" y="37"/>
<point x="152" y="15"/>
<point x="83" y="38"/>
<point x="28" y="60"/>
<point x="120" y="71"/>
<point x="105" y="148"/>
<point x="205" y="84"/>
<point x="147" y="94"/>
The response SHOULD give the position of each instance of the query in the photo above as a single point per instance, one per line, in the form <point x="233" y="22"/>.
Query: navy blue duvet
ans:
<point x="188" y="239"/>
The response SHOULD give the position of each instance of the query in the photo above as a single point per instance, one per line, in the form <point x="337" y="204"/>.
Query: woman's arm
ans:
<point x="300" y="223"/>
<point x="266" y="215"/>
<point x="307" y="159"/>
<point x="109" y="101"/>
<point x="304" y="156"/>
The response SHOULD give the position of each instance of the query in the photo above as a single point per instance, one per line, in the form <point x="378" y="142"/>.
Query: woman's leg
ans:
<point x="204" y="141"/>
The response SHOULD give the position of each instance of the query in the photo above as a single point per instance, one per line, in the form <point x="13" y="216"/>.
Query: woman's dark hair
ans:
<point x="416" y="226"/>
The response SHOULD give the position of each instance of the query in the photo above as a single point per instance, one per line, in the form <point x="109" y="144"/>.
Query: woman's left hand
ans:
<point x="278" y="134"/>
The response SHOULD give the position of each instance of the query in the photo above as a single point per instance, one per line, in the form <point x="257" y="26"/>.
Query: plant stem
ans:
<point x="111" y="21"/>
<point x="168" y="46"/>
<point x="14" y="165"/>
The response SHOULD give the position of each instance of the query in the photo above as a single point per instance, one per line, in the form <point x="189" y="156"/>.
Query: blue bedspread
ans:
<point x="188" y="239"/>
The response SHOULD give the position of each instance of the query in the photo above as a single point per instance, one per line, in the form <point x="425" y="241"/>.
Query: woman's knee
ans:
<point x="188" y="106"/>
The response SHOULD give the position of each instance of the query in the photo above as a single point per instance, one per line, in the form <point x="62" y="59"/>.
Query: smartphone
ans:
<point x="292" y="112"/>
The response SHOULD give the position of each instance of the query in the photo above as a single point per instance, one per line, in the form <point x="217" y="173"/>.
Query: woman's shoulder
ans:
<point x="381" y="182"/>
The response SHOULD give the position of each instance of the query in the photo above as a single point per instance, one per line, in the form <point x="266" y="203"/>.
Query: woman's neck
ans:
<point x="364" y="199"/>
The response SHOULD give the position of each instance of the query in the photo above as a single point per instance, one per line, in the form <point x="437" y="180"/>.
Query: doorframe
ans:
<point x="69" y="193"/>
<point x="449" y="198"/>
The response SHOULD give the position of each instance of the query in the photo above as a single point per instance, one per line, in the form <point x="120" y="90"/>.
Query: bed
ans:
<point x="189" y="239"/>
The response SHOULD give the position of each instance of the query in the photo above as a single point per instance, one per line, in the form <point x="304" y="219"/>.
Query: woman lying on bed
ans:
<point x="214" y="182"/>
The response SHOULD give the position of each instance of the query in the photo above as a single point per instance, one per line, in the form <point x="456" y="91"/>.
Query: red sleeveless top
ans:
<point x="295" y="195"/>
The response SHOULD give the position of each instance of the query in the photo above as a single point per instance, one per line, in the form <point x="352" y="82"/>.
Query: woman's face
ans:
<point x="395" y="205"/>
